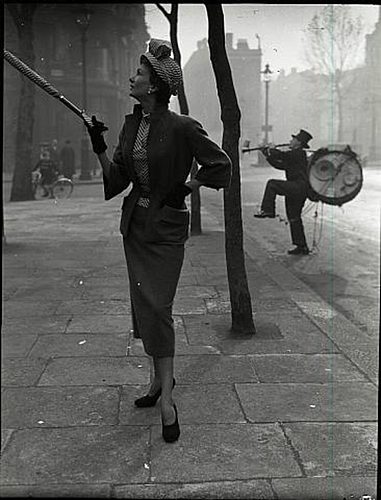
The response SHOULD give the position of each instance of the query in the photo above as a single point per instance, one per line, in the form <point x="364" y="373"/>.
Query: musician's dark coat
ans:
<point x="293" y="162"/>
<point x="294" y="189"/>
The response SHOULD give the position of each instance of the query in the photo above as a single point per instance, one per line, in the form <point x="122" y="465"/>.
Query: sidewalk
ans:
<point x="289" y="413"/>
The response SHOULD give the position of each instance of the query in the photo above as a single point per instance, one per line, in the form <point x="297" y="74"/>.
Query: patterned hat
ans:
<point x="167" y="69"/>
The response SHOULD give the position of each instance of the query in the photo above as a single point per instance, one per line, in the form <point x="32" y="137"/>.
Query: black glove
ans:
<point x="176" y="196"/>
<point x="96" y="135"/>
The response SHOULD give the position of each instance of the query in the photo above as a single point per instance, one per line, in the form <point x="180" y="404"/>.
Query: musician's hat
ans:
<point x="167" y="69"/>
<point x="303" y="137"/>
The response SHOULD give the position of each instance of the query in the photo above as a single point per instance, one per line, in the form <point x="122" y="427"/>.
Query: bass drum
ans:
<point x="335" y="176"/>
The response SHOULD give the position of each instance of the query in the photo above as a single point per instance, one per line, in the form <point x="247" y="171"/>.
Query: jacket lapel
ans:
<point x="156" y="138"/>
<point x="132" y="125"/>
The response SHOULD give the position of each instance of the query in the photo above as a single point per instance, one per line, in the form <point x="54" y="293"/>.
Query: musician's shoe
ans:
<point x="298" y="250"/>
<point x="264" y="215"/>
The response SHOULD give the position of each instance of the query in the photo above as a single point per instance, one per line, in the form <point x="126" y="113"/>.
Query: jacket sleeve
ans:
<point x="216" y="167"/>
<point x="118" y="179"/>
<point x="276" y="159"/>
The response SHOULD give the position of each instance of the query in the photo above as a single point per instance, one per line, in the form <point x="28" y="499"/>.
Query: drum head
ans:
<point x="335" y="176"/>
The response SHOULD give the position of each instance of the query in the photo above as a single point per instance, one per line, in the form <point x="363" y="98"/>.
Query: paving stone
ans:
<point x="215" y="329"/>
<point x="129" y="414"/>
<point x="198" y="405"/>
<point x="308" y="402"/>
<point x="366" y="357"/>
<point x="58" y="491"/>
<point x="16" y="345"/>
<point x="324" y="488"/>
<point x="258" y="489"/>
<point x="316" y="344"/>
<point x="100" y="324"/>
<point x="187" y="278"/>
<point x="207" y="329"/>
<point x="95" y="306"/>
<point x="64" y="345"/>
<point x="22" y="309"/>
<point x="96" y="371"/>
<point x="34" y="325"/>
<point x="222" y="452"/>
<point x="214" y="277"/>
<point x="208" y="404"/>
<point x="198" y="291"/>
<point x="185" y="349"/>
<point x="217" y="306"/>
<point x="337" y="449"/>
<point x="317" y="368"/>
<point x="90" y="455"/>
<point x="135" y="347"/>
<point x="211" y="369"/>
<point x="57" y="292"/>
<point x="21" y="371"/>
<point x="59" y="406"/>
<point x="189" y="305"/>
<point x="5" y="436"/>
<point x="106" y="292"/>
<point x="212" y="258"/>
<point x="92" y="283"/>
<point x="272" y="304"/>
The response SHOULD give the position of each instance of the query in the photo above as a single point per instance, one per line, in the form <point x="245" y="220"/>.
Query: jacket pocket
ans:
<point x="171" y="225"/>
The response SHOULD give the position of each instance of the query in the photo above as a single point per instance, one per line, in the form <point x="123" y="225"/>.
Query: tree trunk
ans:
<point x="195" y="223"/>
<point x="21" y="184"/>
<point x="240" y="300"/>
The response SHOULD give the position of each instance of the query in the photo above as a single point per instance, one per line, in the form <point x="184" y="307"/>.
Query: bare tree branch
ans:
<point x="161" y="8"/>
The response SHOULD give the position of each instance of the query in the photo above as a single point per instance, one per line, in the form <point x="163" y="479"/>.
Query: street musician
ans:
<point x="294" y="188"/>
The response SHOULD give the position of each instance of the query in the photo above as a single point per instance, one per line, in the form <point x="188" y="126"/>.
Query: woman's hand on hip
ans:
<point x="193" y="184"/>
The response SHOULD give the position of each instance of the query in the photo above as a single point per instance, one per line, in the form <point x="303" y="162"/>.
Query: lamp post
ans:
<point x="267" y="79"/>
<point x="82" y="20"/>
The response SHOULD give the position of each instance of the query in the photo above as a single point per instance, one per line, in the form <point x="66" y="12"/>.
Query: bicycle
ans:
<point x="60" y="188"/>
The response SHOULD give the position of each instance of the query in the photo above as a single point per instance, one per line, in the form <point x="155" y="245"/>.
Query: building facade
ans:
<point x="115" y="38"/>
<point x="306" y="100"/>
<point x="201" y="91"/>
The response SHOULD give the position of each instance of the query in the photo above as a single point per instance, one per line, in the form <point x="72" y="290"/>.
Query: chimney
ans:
<point x="242" y="44"/>
<point x="229" y="41"/>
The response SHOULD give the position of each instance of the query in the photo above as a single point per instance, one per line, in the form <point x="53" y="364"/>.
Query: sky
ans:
<point x="279" y="26"/>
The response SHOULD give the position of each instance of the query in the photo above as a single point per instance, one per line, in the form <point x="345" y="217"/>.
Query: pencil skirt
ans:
<point x="153" y="272"/>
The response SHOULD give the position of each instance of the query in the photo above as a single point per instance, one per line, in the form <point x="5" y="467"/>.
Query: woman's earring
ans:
<point x="149" y="91"/>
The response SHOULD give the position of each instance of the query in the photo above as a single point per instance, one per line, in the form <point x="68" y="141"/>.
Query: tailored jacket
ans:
<point x="293" y="162"/>
<point x="173" y="141"/>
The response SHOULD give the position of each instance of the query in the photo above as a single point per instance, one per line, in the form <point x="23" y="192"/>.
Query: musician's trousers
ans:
<point x="295" y="193"/>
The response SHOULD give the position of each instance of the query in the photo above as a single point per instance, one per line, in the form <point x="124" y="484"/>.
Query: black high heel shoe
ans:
<point x="147" y="401"/>
<point x="171" y="432"/>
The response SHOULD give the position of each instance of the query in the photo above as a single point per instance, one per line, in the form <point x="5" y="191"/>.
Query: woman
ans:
<point x="155" y="153"/>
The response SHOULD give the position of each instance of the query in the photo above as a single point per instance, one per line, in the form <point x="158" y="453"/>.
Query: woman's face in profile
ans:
<point x="140" y="83"/>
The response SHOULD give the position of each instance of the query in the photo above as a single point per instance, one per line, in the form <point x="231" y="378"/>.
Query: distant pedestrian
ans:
<point x="47" y="168"/>
<point x="54" y="155"/>
<point x="294" y="188"/>
<point x="67" y="158"/>
<point x="155" y="153"/>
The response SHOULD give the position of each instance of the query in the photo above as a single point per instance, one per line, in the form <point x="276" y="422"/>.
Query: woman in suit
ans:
<point x="155" y="153"/>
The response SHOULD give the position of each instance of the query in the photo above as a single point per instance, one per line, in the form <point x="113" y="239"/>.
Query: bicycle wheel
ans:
<point x="62" y="189"/>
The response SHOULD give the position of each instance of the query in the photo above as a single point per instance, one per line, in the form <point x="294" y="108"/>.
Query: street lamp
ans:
<point x="82" y="20"/>
<point x="267" y="79"/>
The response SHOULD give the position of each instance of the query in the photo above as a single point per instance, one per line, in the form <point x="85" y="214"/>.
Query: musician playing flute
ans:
<point x="294" y="188"/>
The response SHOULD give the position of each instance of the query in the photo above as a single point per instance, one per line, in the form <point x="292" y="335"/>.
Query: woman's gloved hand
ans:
<point x="96" y="135"/>
<point x="176" y="196"/>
